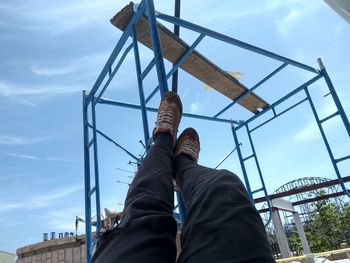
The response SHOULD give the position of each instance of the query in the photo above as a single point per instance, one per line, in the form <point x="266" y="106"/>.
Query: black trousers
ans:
<point x="222" y="224"/>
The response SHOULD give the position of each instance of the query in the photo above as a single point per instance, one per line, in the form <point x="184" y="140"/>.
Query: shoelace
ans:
<point x="165" y="120"/>
<point x="190" y="148"/>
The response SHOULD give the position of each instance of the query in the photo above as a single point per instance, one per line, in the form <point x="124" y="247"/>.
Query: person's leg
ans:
<point x="147" y="230"/>
<point x="222" y="224"/>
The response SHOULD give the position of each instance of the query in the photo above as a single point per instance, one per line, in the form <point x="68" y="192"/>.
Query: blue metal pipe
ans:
<point x="157" y="50"/>
<point x="279" y="114"/>
<point x="257" y="191"/>
<point x="267" y="198"/>
<point x="116" y="51"/>
<point x="87" y="181"/>
<point x="314" y="79"/>
<point x="148" y="68"/>
<point x="178" y="63"/>
<point x="181" y="205"/>
<point x="334" y="96"/>
<point x="140" y="86"/>
<point x="190" y="115"/>
<point x="252" y="89"/>
<point x="233" y="41"/>
<point x="111" y="74"/>
<point x="228" y="155"/>
<point x="240" y="157"/>
<point x="334" y="163"/>
<point x="97" y="176"/>
<point x="330" y="117"/>
<point x="176" y="33"/>
<point x="115" y="143"/>
<point x="342" y="159"/>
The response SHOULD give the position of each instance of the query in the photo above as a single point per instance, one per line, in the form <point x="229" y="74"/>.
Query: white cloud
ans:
<point x="57" y="159"/>
<point x="194" y="108"/>
<point x="37" y="158"/>
<point x="12" y="176"/>
<point x="51" y="71"/>
<point x="185" y="93"/>
<point x="87" y="65"/>
<point x="22" y="156"/>
<point x="16" y="140"/>
<point x="285" y="24"/>
<point x="34" y="92"/>
<point x="297" y="12"/>
<point x="38" y="201"/>
<point x="58" y="17"/>
<point x="309" y="132"/>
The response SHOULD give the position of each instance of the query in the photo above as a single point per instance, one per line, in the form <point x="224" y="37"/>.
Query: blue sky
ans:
<point x="50" y="52"/>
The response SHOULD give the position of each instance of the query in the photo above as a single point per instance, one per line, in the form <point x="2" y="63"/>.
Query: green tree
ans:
<point x="294" y="242"/>
<point x="325" y="229"/>
<point x="345" y="223"/>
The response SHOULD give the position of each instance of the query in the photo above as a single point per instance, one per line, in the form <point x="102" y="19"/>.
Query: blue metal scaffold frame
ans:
<point x="94" y="97"/>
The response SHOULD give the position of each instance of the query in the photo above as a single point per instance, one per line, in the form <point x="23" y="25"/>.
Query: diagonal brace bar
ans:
<point x="115" y="143"/>
<point x="252" y="89"/>
<point x="116" y="51"/>
<point x="111" y="74"/>
<point x="178" y="64"/>
<point x="301" y="87"/>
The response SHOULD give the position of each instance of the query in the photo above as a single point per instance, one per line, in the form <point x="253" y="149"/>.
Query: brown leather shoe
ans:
<point x="169" y="115"/>
<point x="188" y="143"/>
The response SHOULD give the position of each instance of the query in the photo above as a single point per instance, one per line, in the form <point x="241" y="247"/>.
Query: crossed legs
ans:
<point x="222" y="224"/>
<point x="147" y="229"/>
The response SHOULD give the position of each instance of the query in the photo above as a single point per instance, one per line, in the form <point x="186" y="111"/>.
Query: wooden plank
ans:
<point x="196" y="64"/>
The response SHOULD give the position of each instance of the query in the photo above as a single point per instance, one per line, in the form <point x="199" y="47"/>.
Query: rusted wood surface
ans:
<point x="196" y="64"/>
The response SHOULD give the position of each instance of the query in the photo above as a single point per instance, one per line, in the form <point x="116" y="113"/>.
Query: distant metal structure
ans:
<point x="303" y="193"/>
<point x="305" y="208"/>
<point x="146" y="14"/>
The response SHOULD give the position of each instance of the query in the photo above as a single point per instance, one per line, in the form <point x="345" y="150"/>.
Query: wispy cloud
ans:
<point x="285" y="24"/>
<point x="22" y="156"/>
<point x="51" y="71"/>
<point x="309" y="132"/>
<point x="297" y="12"/>
<point x="86" y="64"/>
<point x="39" y="200"/>
<point x="194" y="107"/>
<point x="17" y="140"/>
<point x="8" y="89"/>
<point x="63" y="17"/>
<point x="37" y="158"/>
<point x="12" y="176"/>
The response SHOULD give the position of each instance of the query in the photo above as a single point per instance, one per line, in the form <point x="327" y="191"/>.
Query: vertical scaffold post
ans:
<point x="334" y="94"/>
<point x="177" y="33"/>
<point x="158" y="56"/>
<point x="96" y="170"/>
<point x="140" y="86"/>
<point x="267" y="198"/>
<point x="163" y="84"/>
<point x="239" y="153"/>
<point x="87" y="180"/>
<point x="328" y="147"/>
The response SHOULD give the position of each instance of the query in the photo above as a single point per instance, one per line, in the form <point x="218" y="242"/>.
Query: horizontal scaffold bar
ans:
<point x="190" y="115"/>
<point x="233" y="41"/>
<point x="272" y="106"/>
